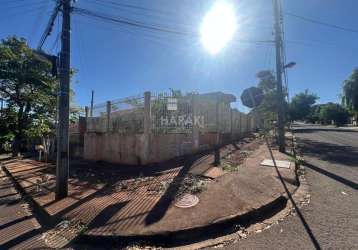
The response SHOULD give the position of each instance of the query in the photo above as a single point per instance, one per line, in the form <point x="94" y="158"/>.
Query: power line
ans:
<point x="322" y="23"/>
<point x="129" y="22"/>
<point x="315" y="44"/>
<point x="283" y="55"/>
<point x="55" y="43"/>
<point x="139" y="11"/>
<point x="49" y="26"/>
<point x="37" y="21"/>
<point x="133" y="7"/>
<point x="147" y="26"/>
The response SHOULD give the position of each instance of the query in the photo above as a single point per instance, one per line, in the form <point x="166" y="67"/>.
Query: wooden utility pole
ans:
<point x="62" y="165"/>
<point x="91" y="110"/>
<point x="279" y="67"/>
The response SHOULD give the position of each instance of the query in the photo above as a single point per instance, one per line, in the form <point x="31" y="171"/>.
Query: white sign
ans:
<point x="172" y="104"/>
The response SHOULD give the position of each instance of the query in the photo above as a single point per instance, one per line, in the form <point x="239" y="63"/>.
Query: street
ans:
<point x="332" y="216"/>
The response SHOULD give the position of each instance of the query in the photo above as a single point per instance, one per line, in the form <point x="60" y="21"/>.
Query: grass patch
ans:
<point x="230" y="167"/>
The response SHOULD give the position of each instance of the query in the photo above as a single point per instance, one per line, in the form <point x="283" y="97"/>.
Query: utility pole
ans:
<point x="279" y="66"/>
<point x="62" y="166"/>
<point x="91" y="110"/>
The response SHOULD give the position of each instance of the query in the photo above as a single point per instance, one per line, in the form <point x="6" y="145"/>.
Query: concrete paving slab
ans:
<point x="214" y="172"/>
<point x="279" y="164"/>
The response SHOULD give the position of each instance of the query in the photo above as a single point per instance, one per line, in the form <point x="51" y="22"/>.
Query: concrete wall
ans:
<point x="114" y="147"/>
<point x="130" y="136"/>
<point x="129" y="149"/>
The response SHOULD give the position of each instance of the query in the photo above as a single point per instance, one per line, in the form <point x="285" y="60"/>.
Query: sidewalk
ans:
<point x="18" y="227"/>
<point x="106" y="200"/>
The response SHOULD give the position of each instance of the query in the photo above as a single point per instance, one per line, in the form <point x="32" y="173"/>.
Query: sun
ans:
<point x="218" y="26"/>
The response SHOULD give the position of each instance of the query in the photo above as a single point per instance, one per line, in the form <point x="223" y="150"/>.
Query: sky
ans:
<point x="118" y="61"/>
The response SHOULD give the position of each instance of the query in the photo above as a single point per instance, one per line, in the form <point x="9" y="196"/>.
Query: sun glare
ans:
<point x="218" y="26"/>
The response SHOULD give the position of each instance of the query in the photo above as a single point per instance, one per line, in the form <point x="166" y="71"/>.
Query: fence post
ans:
<point x="86" y="118"/>
<point x="240" y="125"/>
<point x="231" y="131"/>
<point x="217" y="146"/>
<point x="108" y="115"/>
<point x="86" y="112"/>
<point x="195" y="132"/>
<point x="147" y="127"/>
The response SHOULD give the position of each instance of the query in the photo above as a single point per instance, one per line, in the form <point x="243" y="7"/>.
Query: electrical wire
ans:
<point x="283" y="54"/>
<point x="138" y="11"/>
<point x="49" y="26"/>
<point x="134" y="7"/>
<point x="37" y="20"/>
<point x="147" y="26"/>
<point x="334" y="26"/>
<point x="55" y="43"/>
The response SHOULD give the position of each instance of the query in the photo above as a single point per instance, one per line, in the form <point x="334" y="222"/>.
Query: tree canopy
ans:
<point x="28" y="90"/>
<point x="266" y="90"/>
<point x="301" y="105"/>
<point x="350" y="93"/>
<point x="333" y="112"/>
<point x="328" y="112"/>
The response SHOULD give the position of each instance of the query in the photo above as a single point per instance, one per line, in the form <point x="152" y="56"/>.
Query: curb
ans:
<point x="222" y="227"/>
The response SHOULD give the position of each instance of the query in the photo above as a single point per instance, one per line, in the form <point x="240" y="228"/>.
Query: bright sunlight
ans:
<point x="218" y="26"/>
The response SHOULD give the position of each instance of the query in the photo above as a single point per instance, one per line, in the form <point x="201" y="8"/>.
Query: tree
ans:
<point x="268" y="107"/>
<point x="267" y="80"/>
<point x="28" y="89"/>
<point x="350" y="93"/>
<point x="313" y="116"/>
<point x="333" y="112"/>
<point x="301" y="105"/>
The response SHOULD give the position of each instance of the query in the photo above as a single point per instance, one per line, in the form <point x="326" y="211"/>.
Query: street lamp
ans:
<point x="289" y="65"/>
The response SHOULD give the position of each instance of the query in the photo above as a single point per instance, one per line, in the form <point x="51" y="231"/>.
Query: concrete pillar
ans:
<point x="108" y="116"/>
<point x="195" y="113"/>
<point x="240" y="124"/>
<point x="86" y="112"/>
<point x="147" y="127"/>
<point x="86" y="118"/>
<point x="217" y="146"/>
<point x="231" y="130"/>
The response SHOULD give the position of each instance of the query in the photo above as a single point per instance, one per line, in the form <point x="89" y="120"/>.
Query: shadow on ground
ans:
<point x="330" y="152"/>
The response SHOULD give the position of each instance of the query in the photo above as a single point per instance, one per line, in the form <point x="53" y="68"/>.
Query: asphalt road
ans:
<point x="330" y="221"/>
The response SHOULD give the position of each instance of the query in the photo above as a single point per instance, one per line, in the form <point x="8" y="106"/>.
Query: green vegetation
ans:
<point x="267" y="107"/>
<point x="301" y="104"/>
<point x="350" y="94"/>
<point x="29" y="91"/>
<point x="263" y="100"/>
<point x="333" y="112"/>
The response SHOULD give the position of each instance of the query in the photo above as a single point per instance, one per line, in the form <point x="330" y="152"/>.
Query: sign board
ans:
<point x="172" y="104"/>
